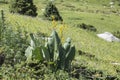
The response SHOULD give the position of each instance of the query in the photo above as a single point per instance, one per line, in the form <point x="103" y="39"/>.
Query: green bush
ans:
<point x="87" y="27"/>
<point x="24" y="7"/>
<point x="51" y="10"/>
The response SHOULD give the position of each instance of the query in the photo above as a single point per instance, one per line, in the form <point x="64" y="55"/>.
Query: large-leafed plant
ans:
<point x="52" y="51"/>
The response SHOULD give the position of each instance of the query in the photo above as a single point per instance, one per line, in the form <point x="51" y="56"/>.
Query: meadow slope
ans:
<point x="93" y="12"/>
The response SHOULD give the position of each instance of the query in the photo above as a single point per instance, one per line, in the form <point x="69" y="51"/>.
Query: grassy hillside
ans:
<point x="94" y="12"/>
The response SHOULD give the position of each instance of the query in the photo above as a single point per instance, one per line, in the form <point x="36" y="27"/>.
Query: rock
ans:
<point x="108" y="37"/>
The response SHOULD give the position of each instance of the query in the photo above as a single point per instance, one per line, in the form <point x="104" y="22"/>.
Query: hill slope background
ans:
<point x="94" y="12"/>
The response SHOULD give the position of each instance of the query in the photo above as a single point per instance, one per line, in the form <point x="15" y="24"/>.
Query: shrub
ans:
<point x="50" y="11"/>
<point x="24" y="7"/>
<point x="87" y="27"/>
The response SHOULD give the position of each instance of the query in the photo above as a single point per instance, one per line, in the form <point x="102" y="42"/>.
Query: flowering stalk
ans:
<point x="54" y="23"/>
<point x="61" y="29"/>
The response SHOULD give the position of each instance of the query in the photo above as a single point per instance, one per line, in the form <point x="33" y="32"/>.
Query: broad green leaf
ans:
<point x="32" y="42"/>
<point x="57" y="44"/>
<point x="71" y="54"/>
<point x="37" y="54"/>
<point x="46" y="53"/>
<point x="28" y="53"/>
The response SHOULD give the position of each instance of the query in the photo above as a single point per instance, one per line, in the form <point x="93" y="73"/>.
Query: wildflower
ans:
<point x="61" y="29"/>
<point x="54" y="23"/>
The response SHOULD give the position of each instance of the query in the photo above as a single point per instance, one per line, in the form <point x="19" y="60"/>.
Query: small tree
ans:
<point x="51" y="10"/>
<point x="25" y="7"/>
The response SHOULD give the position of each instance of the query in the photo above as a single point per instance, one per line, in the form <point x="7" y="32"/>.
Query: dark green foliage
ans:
<point x="24" y="7"/>
<point x="24" y="71"/>
<point x="109" y="77"/>
<point x="15" y="43"/>
<point x="117" y="34"/>
<point x="89" y="55"/>
<point x="2" y="58"/>
<point x="2" y="25"/>
<point x="87" y="27"/>
<point x="12" y="43"/>
<point x="2" y="29"/>
<point x="51" y="10"/>
<point x="81" y="72"/>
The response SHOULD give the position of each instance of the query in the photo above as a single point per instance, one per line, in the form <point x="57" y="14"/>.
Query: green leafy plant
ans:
<point x="51" y="51"/>
<point x="25" y="7"/>
<point x="51" y="10"/>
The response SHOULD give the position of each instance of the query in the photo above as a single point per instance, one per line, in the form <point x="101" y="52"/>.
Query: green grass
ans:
<point x="105" y="52"/>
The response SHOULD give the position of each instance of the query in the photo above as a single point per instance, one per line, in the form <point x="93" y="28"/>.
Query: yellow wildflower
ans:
<point x="54" y="23"/>
<point x="61" y="29"/>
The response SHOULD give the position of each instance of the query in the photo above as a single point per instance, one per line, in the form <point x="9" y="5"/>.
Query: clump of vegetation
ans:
<point x="86" y="54"/>
<point x="15" y="44"/>
<point x="50" y="11"/>
<point x="26" y="71"/>
<point x="12" y="43"/>
<point x="49" y="56"/>
<point x="87" y="27"/>
<point x="83" y="73"/>
<point x="51" y="51"/>
<point x="117" y="34"/>
<point x="24" y="7"/>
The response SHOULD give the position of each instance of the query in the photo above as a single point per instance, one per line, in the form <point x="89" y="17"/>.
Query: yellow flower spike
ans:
<point x="54" y="23"/>
<point x="61" y="30"/>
